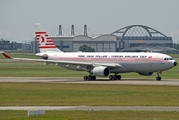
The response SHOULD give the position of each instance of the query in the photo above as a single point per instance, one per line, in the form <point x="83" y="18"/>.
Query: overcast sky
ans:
<point x="104" y="16"/>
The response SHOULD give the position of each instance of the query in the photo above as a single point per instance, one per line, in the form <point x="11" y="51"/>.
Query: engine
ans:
<point x="145" y="73"/>
<point x="44" y="56"/>
<point x="100" y="71"/>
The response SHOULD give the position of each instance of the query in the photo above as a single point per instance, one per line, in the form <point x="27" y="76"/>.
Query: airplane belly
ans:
<point x="161" y="66"/>
<point x="139" y="67"/>
<point x="119" y="70"/>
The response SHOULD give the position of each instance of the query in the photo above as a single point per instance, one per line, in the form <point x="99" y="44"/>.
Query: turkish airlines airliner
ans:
<point x="100" y="64"/>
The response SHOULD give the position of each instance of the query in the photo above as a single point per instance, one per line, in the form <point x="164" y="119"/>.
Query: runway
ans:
<point x="128" y="81"/>
<point x="92" y="108"/>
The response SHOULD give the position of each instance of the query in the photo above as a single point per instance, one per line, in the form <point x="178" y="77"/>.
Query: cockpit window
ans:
<point x="168" y="58"/>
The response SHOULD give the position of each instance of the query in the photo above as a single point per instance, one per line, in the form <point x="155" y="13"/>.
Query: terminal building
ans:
<point x="130" y="38"/>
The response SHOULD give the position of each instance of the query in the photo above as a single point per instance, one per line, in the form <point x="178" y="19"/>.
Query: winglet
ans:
<point x="6" y="56"/>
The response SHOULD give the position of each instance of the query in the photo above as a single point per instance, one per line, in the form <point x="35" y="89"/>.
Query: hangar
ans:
<point x="127" y="38"/>
<point x="103" y="43"/>
<point x="141" y="37"/>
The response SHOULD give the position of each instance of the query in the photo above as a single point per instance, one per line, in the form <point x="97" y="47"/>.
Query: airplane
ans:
<point x="100" y="63"/>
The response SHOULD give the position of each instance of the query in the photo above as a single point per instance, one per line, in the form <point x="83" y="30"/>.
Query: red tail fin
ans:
<point x="44" y="42"/>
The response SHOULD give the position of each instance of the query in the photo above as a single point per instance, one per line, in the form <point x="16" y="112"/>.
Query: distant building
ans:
<point x="128" y="38"/>
<point x="140" y="36"/>
<point x="27" y="46"/>
<point x="6" y="45"/>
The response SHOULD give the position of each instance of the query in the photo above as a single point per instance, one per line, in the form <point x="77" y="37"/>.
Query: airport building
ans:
<point x="130" y="38"/>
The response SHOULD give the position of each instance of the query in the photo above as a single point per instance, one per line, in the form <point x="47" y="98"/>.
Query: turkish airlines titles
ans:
<point x="114" y="56"/>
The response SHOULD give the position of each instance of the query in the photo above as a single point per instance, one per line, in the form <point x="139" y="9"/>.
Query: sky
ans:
<point x="104" y="16"/>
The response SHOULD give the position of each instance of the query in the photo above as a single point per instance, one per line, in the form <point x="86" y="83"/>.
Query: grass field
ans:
<point x="92" y="115"/>
<point x="22" y="94"/>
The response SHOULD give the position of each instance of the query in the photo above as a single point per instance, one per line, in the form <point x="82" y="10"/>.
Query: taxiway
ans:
<point x="99" y="81"/>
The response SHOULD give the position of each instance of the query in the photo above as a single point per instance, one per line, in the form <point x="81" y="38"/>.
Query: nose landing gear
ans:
<point x="158" y="78"/>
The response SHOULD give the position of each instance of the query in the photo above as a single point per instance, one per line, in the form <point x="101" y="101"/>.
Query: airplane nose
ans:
<point x="175" y="63"/>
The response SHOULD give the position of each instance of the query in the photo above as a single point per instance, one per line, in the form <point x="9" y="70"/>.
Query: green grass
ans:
<point x="11" y="68"/>
<point x="174" y="55"/>
<point x="92" y="115"/>
<point x="52" y="94"/>
<point x="20" y="55"/>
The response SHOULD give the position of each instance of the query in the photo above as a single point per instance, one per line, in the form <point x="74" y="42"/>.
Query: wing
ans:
<point x="83" y="65"/>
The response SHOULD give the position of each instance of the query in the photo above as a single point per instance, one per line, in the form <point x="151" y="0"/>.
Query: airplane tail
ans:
<point x="45" y="44"/>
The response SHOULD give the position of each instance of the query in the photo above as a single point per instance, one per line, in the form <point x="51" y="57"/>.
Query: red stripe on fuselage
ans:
<point x="109" y="59"/>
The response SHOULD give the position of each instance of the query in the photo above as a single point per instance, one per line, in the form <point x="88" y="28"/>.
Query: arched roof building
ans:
<point x="140" y="35"/>
<point x="130" y="37"/>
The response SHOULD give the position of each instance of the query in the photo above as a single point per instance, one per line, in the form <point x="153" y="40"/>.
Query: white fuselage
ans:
<point x="130" y="62"/>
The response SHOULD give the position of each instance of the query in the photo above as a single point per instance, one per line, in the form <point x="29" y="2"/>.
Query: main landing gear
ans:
<point x="158" y="78"/>
<point x="89" y="77"/>
<point x="115" y="77"/>
<point x="93" y="77"/>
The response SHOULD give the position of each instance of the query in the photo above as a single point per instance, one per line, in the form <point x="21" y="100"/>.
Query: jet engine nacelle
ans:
<point x="145" y="73"/>
<point x="42" y="55"/>
<point x="45" y="56"/>
<point x="100" y="71"/>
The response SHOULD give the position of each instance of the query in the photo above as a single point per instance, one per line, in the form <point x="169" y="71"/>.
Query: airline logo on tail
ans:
<point x="44" y="41"/>
<point x="45" y="44"/>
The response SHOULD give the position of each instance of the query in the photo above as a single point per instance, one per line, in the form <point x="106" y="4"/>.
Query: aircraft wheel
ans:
<point x="85" y="78"/>
<point x="115" y="77"/>
<point x="119" y="77"/>
<point x="90" y="77"/>
<point x="158" y="78"/>
<point x="93" y="77"/>
<point x="111" y="77"/>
